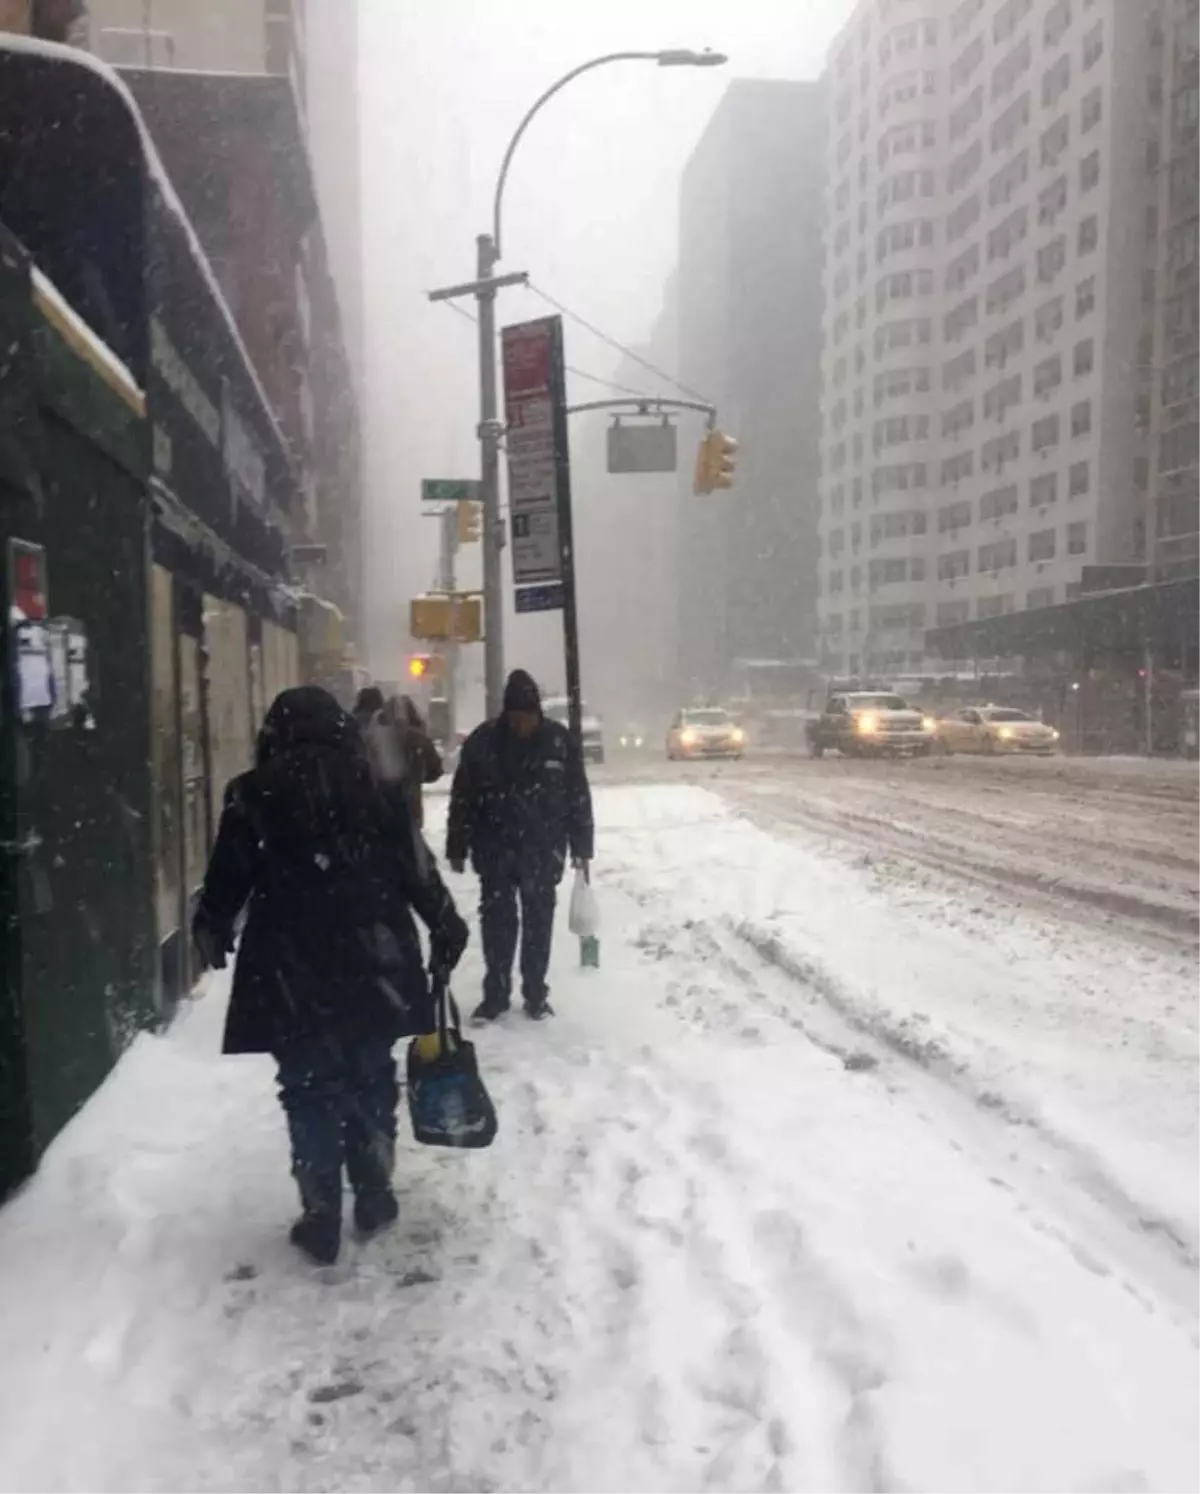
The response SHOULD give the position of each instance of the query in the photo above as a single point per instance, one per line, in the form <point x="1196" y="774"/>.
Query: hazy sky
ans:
<point x="590" y="211"/>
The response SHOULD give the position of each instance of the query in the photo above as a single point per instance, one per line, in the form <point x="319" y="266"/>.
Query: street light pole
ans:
<point x="492" y="526"/>
<point x="484" y="288"/>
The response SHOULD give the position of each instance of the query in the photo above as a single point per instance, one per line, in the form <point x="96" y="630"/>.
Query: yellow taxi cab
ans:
<point x="994" y="729"/>
<point x="705" y="731"/>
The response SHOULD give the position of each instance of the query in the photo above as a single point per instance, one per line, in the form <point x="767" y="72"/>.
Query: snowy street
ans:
<point x="847" y="1171"/>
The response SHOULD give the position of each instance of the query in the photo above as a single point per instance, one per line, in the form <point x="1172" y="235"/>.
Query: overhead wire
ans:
<point x="580" y="373"/>
<point x="619" y="346"/>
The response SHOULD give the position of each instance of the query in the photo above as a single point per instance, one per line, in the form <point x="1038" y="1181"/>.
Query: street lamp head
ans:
<point x="685" y="57"/>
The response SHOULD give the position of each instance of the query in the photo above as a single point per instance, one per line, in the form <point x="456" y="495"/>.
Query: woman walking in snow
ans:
<point x="329" y="974"/>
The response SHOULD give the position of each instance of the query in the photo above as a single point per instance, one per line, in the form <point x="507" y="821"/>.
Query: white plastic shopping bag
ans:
<point x="585" y="915"/>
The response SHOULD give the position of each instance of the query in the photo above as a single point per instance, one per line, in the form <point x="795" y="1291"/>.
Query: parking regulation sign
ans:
<point x="535" y="407"/>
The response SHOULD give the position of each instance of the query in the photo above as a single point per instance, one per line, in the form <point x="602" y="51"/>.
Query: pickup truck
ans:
<point x="870" y="724"/>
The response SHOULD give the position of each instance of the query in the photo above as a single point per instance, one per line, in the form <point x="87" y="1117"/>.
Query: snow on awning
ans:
<point x="55" y="307"/>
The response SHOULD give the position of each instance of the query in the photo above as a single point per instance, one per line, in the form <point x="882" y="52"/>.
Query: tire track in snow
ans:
<point x="1074" y="1198"/>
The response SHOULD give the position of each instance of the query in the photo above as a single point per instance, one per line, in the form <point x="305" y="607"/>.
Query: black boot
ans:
<point x="375" y="1211"/>
<point x="318" y="1236"/>
<point x="538" y="1008"/>
<point x="318" y="1231"/>
<point x="489" y="1009"/>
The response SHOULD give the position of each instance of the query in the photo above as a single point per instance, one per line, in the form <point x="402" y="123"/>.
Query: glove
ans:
<point x="457" y="866"/>
<point x="448" y="940"/>
<point x="212" y="944"/>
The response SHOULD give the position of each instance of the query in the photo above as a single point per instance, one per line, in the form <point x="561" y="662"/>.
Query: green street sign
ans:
<point x="449" y="490"/>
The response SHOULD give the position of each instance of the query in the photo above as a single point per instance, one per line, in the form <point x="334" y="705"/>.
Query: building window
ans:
<point x="1058" y="18"/>
<point x="1091" y="110"/>
<point x="1042" y="544"/>
<point x="1089" y="171"/>
<point x="1047" y="375"/>
<point x="997" y="556"/>
<point x="1081" y="418"/>
<point x="1085" y="297"/>
<point x="1047" y="319"/>
<point x="1077" y="539"/>
<point x="1040" y="596"/>
<point x="1043" y="491"/>
<point x="1055" y="140"/>
<point x="1089" y="234"/>
<point x="995" y="606"/>
<point x="1045" y="433"/>
<point x="1093" y="46"/>
<point x="950" y="614"/>
<point x="1179" y="449"/>
<point x="1084" y="358"/>
<point x="954" y="516"/>
<point x="1055" y="81"/>
<point x="1080" y="479"/>
<point x="957" y="563"/>
<point x="998" y="504"/>
<point x="956" y="468"/>
<point x="1052" y="257"/>
<point x="1052" y="200"/>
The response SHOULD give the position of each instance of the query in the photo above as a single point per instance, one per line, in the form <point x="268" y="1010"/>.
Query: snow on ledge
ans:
<point x="74" y="57"/>
<point x="46" y="291"/>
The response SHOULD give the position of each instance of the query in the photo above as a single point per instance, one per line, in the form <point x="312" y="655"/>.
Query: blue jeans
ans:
<point x="340" y="1102"/>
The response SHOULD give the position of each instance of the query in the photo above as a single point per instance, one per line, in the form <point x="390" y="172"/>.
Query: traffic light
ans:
<point x="714" y="463"/>
<point x="419" y="666"/>
<point x="470" y="522"/>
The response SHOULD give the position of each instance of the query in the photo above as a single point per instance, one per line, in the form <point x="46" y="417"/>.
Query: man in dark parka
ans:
<point x="329" y="973"/>
<point x="519" y="802"/>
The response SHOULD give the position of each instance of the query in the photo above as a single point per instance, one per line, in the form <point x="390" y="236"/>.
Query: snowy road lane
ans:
<point x="728" y="1238"/>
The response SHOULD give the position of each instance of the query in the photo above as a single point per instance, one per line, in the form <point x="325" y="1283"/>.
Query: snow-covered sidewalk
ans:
<point x="752" y="1222"/>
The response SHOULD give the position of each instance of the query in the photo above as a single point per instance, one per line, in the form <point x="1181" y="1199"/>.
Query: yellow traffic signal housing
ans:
<point x="446" y="617"/>
<point x="724" y="449"/>
<point x="714" y="463"/>
<point x="470" y="522"/>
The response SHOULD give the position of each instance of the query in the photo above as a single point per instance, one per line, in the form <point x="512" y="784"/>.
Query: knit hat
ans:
<point x="521" y="693"/>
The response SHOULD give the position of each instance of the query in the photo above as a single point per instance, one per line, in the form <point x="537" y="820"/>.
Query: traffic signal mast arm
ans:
<point x="715" y="456"/>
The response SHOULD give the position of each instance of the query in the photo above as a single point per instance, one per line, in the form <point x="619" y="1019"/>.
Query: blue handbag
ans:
<point x="448" y="1102"/>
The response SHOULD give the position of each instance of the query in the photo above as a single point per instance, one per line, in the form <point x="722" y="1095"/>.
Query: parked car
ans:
<point x="995" y="729"/>
<point x="705" y="731"/>
<point x="631" y="738"/>
<point x="870" y="723"/>
<point x="593" y="729"/>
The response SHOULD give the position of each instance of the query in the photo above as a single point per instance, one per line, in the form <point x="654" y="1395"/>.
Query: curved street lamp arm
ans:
<point x="584" y="67"/>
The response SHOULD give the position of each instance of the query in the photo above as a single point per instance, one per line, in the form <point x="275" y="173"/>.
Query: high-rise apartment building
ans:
<point x="1174" y="219"/>
<point x="989" y="286"/>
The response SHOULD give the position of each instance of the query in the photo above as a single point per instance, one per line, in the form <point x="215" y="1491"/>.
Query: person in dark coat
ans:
<point x="329" y="972"/>
<point x="403" y="753"/>
<point x="519" y="802"/>
<point x="368" y="705"/>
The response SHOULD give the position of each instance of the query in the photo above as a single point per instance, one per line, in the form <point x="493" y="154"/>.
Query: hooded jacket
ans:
<point x="323" y="863"/>
<point x="520" y="799"/>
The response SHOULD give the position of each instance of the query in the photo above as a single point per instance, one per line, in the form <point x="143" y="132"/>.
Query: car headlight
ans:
<point x="739" y="736"/>
<point x="624" y="741"/>
<point x="1053" y="735"/>
<point x="928" y="723"/>
<point x="1005" y="733"/>
<point x="867" y="723"/>
<point x="688" y="737"/>
<point x="637" y="741"/>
